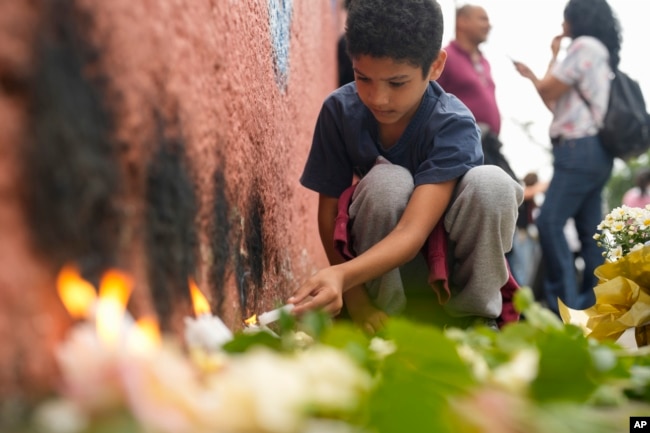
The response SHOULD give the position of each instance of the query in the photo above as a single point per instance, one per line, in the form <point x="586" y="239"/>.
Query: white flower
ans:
<point x="477" y="362"/>
<point x="264" y="393"/>
<point x="622" y="230"/>
<point x="382" y="348"/>
<point x="519" y="372"/>
<point x="301" y="339"/>
<point x="272" y="392"/>
<point x="167" y="393"/>
<point x="335" y="382"/>
<point x="60" y="416"/>
<point x="89" y="370"/>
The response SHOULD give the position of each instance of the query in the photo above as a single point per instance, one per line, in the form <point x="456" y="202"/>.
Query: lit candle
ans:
<point x="106" y="310"/>
<point x="111" y="318"/>
<point x="144" y="337"/>
<point x="274" y="315"/>
<point x="206" y="332"/>
<point x="78" y="295"/>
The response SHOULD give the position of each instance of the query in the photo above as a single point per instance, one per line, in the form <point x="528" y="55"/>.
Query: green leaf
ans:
<point x="572" y="418"/>
<point x="315" y="323"/>
<point x="286" y="323"/>
<point x="349" y="338"/>
<point x="566" y="369"/>
<point x="639" y="384"/>
<point x="523" y="299"/>
<point x="123" y="423"/>
<point x="417" y="380"/>
<point x="242" y="342"/>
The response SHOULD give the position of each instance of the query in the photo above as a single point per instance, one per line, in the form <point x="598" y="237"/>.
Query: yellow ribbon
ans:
<point x="622" y="300"/>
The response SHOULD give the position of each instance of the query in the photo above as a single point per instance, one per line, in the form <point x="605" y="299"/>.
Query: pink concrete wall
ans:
<point x="241" y="83"/>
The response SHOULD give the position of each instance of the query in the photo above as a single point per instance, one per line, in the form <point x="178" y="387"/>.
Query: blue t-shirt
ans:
<point x="440" y="143"/>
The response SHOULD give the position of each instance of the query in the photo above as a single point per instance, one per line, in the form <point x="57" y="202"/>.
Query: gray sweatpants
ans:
<point x="479" y="220"/>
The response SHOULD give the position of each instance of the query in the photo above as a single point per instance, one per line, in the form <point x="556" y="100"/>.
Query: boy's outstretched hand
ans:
<point x="322" y="291"/>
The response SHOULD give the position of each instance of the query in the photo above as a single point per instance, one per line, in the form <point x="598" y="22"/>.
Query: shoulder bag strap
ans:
<point x="585" y="100"/>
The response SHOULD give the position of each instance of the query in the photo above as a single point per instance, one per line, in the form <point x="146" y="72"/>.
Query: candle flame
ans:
<point x="114" y="291"/>
<point x="146" y="336"/>
<point x="251" y="320"/>
<point x="199" y="302"/>
<point x="148" y="325"/>
<point x="116" y="285"/>
<point x="77" y="294"/>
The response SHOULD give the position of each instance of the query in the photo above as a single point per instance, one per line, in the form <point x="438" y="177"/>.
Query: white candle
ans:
<point x="274" y="315"/>
<point x="254" y="329"/>
<point x="206" y="332"/>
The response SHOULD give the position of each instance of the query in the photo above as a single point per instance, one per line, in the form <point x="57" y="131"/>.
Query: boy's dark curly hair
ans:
<point x="595" y="18"/>
<point x="403" y="30"/>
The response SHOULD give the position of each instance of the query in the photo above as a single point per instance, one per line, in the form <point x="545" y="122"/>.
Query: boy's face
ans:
<point x="392" y="90"/>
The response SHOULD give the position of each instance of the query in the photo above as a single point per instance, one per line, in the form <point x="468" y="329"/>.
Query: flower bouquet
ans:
<point x="623" y="291"/>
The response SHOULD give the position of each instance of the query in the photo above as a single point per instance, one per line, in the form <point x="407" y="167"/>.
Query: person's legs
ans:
<point x="579" y="167"/>
<point x="480" y="222"/>
<point x="377" y="205"/>
<point x="516" y="258"/>
<point x="559" y="270"/>
<point x="586" y="220"/>
<point x="522" y="257"/>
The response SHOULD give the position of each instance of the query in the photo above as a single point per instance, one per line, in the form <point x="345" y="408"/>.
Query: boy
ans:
<point x="417" y="153"/>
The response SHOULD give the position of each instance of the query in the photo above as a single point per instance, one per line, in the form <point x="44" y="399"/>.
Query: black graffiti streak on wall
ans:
<point x="250" y="264"/>
<point x="71" y="172"/>
<point x="170" y="224"/>
<point x="220" y="242"/>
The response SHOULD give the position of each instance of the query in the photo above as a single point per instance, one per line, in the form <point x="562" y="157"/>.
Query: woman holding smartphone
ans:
<point x="581" y="166"/>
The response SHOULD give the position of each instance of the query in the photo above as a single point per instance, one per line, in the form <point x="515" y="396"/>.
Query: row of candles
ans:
<point x="115" y="326"/>
<point x="111" y="362"/>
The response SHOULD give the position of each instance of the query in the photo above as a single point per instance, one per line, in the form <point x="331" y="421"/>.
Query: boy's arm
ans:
<point x="327" y="211"/>
<point x="424" y="210"/>
<point x="359" y="305"/>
